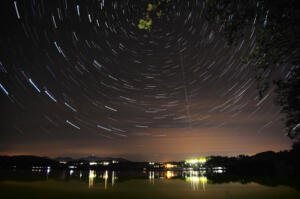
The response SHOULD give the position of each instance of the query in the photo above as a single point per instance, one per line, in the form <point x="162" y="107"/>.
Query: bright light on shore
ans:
<point x="196" y="161"/>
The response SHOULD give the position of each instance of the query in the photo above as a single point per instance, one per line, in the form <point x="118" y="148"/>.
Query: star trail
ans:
<point x="79" y="77"/>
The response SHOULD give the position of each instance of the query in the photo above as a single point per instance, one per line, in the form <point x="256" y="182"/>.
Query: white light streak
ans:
<point x="5" y="91"/>
<point x="69" y="106"/>
<point x="78" y="11"/>
<point x="33" y="84"/>
<point x="141" y="126"/>
<point x="104" y="128"/>
<point x="17" y="11"/>
<point x="72" y="124"/>
<point x="112" y="109"/>
<point x="54" y="23"/>
<point x="51" y="97"/>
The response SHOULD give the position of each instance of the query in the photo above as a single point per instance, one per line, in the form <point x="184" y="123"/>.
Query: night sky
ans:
<point x="79" y="78"/>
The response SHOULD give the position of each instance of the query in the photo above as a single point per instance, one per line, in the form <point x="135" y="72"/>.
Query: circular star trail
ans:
<point x="83" y="70"/>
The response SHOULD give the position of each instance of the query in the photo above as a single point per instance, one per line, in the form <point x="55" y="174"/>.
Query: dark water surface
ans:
<point x="167" y="184"/>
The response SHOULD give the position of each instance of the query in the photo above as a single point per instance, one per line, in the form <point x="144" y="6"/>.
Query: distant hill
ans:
<point x="65" y="159"/>
<point x="89" y="159"/>
<point x="25" y="161"/>
<point x="95" y="158"/>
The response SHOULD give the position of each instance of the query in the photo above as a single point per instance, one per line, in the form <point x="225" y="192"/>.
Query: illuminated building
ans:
<point x="170" y="166"/>
<point x="196" y="161"/>
<point x="93" y="163"/>
<point x="105" y="163"/>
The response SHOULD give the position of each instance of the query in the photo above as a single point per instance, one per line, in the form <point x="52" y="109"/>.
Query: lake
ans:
<point x="145" y="184"/>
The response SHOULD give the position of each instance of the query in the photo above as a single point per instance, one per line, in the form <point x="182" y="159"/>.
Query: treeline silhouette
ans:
<point x="36" y="162"/>
<point x="265" y="163"/>
<point x="26" y="161"/>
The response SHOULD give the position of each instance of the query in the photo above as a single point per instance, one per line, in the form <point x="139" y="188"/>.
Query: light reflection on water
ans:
<point x="105" y="176"/>
<point x="151" y="177"/>
<point x="194" y="178"/>
<point x="169" y="174"/>
<point x="148" y="184"/>
<point x="92" y="175"/>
